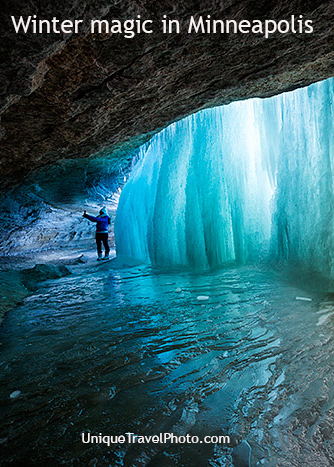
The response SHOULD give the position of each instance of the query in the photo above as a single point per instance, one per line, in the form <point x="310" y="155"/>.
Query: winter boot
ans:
<point x="99" y="257"/>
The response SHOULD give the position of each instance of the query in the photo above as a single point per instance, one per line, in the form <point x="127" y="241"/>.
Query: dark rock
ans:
<point x="80" y="260"/>
<point x="12" y="291"/>
<point x="71" y="96"/>
<point x="42" y="272"/>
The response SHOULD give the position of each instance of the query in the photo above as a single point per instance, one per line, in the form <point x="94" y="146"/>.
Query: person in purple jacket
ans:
<point x="102" y="222"/>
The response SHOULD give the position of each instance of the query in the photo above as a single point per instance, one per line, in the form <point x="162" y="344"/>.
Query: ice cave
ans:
<point x="214" y="317"/>
<point x="250" y="180"/>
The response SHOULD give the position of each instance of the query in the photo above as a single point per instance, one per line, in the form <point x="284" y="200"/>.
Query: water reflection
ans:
<point x="117" y="350"/>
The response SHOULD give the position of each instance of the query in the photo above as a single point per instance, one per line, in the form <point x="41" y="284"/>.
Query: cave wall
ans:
<point x="45" y="211"/>
<point x="74" y="96"/>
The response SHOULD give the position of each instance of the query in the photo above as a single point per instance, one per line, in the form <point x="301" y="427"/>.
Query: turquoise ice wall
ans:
<point x="200" y="193"/>
<point x="233" y="182"/>
<point x="303" y="228"/>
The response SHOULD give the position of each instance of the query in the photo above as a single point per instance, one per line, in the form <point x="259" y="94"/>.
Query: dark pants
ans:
<point x="102" y="237"/>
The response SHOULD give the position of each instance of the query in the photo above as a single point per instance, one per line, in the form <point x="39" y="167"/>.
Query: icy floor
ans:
<point x="117" y="350"/>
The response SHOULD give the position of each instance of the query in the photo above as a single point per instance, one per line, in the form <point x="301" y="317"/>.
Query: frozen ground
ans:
<point x="112" y="349"/>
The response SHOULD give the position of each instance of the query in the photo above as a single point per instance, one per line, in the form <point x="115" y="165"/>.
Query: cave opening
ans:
<point x="213" y="319"/>
<point x="188" y="329"/>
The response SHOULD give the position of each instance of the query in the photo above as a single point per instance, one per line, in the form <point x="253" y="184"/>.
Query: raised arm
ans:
<point x="90" y="218"/>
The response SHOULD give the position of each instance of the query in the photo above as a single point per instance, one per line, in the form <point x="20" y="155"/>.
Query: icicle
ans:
<point x="201" y="194"/>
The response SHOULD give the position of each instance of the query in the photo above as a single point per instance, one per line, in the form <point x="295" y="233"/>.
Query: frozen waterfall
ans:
<point x="235" y="182"/>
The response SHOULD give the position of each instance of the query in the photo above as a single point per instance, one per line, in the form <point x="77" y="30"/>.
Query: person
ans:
<point x="102" y="222"/>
